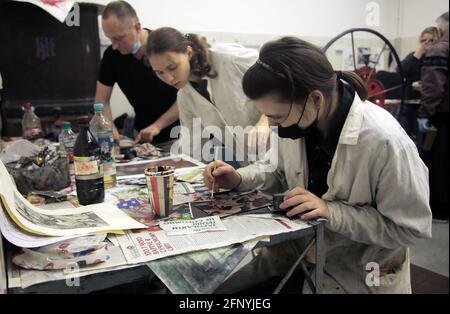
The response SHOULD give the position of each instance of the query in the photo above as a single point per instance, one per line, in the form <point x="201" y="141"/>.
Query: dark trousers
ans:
<point x="437" y="162"/>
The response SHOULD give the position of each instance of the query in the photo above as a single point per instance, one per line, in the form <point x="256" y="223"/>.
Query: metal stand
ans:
<point x="316" y="286"/>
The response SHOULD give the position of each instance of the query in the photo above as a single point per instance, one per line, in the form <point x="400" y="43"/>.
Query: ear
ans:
<point x="190" y="52"/>
<point x="138" y="26"/>
<point x="318" y="98"/>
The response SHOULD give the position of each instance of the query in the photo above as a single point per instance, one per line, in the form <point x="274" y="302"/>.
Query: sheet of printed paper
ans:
<point x="200" y="272"/>
<point x="192" y="175"/>
<point x="143" y="245"/>
<point x="60" y="222"/>
<point x="32" y="277"/>
<point x="179" y="227"/>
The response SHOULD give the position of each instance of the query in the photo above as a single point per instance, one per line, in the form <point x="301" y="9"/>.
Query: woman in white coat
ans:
<point x="340" y="158"/>
<point x="209" y="82"/>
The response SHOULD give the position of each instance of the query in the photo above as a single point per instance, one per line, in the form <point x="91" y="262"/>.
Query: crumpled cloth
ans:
<point x="147" y="150"/>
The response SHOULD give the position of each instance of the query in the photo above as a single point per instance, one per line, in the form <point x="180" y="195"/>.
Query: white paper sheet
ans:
<point x="180" y="227"/>
<point x="143" y="246"/>
<point x="58" y="222"/>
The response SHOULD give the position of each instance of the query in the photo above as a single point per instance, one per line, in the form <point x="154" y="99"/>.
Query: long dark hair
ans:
<point x="292" y="68"/>
<point x="168" y="39"/>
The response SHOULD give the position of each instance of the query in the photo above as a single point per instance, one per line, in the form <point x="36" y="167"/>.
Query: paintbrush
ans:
<point x="214" y="168"/>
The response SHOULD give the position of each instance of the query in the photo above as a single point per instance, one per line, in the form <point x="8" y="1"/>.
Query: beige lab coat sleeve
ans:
<point x="402" y="214"/>
<point x="187" y="126"/>
<point x="263" y="175"/>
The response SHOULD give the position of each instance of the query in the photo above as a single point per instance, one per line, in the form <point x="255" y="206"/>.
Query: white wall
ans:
<point x="415" y="16"/>
<point x="312" y="18"/>
<point x="419" y="14"/>
<point x="318" y="18"/>
<point x="253" y="22"/>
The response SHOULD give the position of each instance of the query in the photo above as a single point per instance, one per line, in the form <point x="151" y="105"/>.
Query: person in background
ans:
<point x="412" y="64"/>
<point x="341" y="158"/>
<point x="123" y="63"/>
<point x="434" y="111"/>
<point x="208" y="80"/>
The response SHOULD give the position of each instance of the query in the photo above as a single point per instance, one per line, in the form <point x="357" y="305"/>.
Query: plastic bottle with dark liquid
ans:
<point x="88" y="166"/>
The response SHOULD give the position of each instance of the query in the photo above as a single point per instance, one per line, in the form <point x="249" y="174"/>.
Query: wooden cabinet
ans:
<point x="47" y="63"/>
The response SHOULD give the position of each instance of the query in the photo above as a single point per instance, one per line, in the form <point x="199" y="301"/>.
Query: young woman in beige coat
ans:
<point x="340" y="158"/>
<point x="208" y="79"/>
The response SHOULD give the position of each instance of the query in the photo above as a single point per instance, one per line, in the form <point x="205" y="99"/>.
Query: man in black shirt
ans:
<point x="154" y="102"/>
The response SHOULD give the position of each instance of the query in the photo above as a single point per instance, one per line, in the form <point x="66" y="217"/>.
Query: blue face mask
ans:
<point x="136" y="47"/>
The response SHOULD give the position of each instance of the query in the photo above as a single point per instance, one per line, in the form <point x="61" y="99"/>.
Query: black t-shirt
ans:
<point x="149" y="96"/>
<point x="202" y="88"/>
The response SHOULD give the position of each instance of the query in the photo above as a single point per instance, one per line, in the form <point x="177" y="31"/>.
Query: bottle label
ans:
<point x="87" y="168"/>
<point x="106" y="141"/>
<point x="67" y="146"/>
<point x="69" y="155"/>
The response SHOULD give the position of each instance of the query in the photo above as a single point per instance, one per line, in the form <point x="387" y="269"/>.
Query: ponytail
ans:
<point x="200" y="63"/>
<point x="356" y="83"/>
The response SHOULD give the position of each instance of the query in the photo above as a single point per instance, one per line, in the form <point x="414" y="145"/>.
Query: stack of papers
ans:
<point x="28" y="226"/>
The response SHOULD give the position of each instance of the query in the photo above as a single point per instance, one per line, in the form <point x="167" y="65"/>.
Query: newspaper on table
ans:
<point x="136" y="169"/>
<point x="179" y="227"/>
<point x="22" y="238"/>
<point x="24" y="278"/>
<point x="57" y="222"/>
<point x="86" y="250"/>
<point x="191" y="175"/>
<point x="200" y="272"/>
<point x="194" y="272"/>
<point x="143" y="245"/>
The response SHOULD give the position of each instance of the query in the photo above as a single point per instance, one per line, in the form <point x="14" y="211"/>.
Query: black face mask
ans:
<point x="294" y="132"/>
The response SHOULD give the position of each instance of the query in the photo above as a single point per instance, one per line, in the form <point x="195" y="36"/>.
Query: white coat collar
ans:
<point x="352" y="126"/>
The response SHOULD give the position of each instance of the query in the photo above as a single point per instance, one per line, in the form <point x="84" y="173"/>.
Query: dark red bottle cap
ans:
<point x="83" y="121"/>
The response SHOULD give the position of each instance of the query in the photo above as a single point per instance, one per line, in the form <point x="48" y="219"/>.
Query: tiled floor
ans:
<point x="433" y="254"/>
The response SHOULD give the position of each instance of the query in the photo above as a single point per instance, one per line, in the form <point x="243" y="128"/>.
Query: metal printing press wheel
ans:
<point x="381" y="85"/>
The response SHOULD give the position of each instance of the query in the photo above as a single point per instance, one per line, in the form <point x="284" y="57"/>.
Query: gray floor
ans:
<point x="433" y="254"/>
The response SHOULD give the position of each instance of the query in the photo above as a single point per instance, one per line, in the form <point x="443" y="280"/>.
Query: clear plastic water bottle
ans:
<point x="66" y="141"/>
<point x="31" y="124"/>
<point x="102" y="129"/>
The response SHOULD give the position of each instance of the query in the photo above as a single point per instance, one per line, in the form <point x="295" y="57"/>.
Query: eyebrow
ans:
<point x="166" y="68"/>
<point x="274" y="116"/>
<point x="118" y="37"/>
